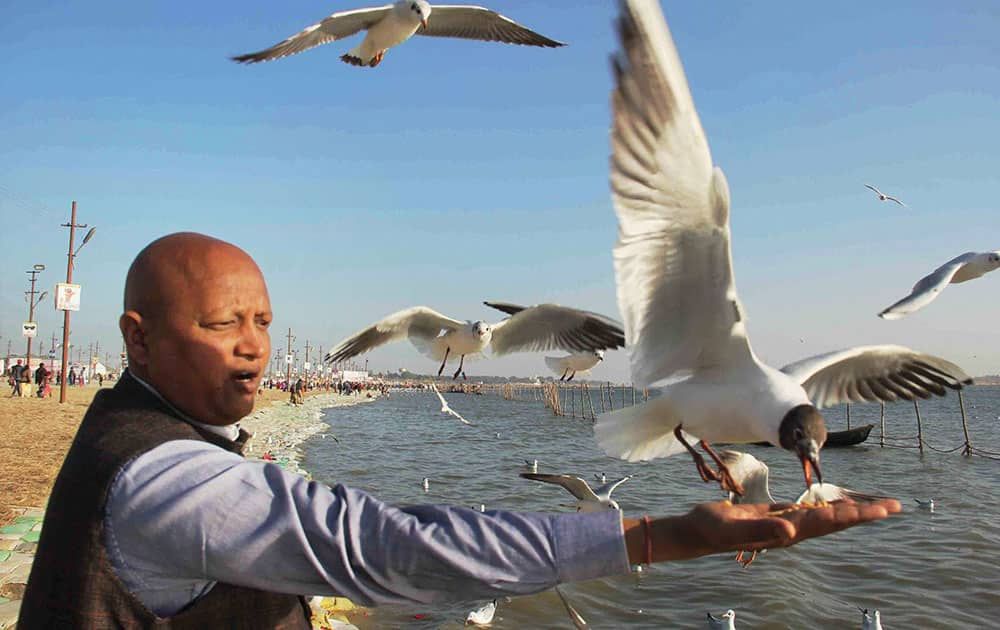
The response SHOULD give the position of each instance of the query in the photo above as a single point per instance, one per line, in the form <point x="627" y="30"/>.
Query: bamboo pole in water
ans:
<point x="881" y="438"/>
<point x="611" y="396"/>
<point x="601" y="396"/>
<point x="965" y="426"/>
<point x="572" y="400"/>
<point x="848" y="416"/>
<point x="920" y="429"/>
<point x="633" y="394"/>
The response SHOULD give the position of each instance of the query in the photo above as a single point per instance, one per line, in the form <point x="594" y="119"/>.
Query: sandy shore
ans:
<point x="37" y="433"/>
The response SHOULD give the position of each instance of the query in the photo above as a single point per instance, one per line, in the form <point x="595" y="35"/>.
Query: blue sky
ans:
<point x="461" y="171"/>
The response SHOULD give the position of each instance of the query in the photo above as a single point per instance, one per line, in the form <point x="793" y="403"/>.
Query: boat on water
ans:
<point x="838" y="439"/>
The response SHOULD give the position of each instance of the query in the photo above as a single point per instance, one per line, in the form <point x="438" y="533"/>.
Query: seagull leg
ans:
<point x="461" y="362"/>
<point x="746" y="562"/>
<point x="707" y="474"/>
<point x="377" y="59"/>
<point x="565" y="372"/>
<point x="571" y="377"/>
<point x="441" y="369"/>
<point x="727" y="482"/>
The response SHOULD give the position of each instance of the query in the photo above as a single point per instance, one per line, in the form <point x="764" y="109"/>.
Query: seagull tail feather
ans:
<point x="640" y="433"/>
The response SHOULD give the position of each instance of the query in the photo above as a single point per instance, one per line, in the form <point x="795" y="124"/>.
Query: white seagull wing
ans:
<point x="820" y="492"/>
<point x="673" y="265"/>
<point x="576" y="486"/>
<point x="875" y="373"/>
<point x="338" y="26"/>
<point x="928" y="288"/>
<point x="606" y="490"/>
<point x="877" y="191"/>
<point x="751" y="473"/>
<point x="416" y="322"/>
<point x="891" y="198"/>
<point x="551" y="326"/>
<point x="470" y="22"/>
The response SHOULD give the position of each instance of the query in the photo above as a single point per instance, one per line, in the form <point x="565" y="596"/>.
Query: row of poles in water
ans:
<point x="576" y="400"/>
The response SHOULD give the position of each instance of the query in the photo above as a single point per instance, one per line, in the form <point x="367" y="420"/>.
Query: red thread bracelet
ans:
<point x="649" y="541"/>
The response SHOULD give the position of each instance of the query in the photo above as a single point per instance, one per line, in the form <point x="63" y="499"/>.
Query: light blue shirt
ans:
<point x="188" y="514"/>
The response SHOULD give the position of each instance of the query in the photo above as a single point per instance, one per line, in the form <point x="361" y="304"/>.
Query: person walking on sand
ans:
<point x="156" y="519"/>
<point x="16" y="376"/>
<point x="41" y="379"/>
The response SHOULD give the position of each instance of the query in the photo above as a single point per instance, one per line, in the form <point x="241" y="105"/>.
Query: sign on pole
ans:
<point x="288" y="359"/>
<point x="307" y="365"/>
<point x="67" y="297"/>
<point x="29" y="329"/>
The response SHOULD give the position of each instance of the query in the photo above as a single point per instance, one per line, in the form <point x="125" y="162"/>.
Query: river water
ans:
<point x="920" y="569"/>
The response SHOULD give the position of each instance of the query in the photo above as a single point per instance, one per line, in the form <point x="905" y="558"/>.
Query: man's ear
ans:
<point x="134" y="335"/>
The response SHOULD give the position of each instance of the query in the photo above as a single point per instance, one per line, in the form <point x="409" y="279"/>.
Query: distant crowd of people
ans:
<point x="20" y="376"/>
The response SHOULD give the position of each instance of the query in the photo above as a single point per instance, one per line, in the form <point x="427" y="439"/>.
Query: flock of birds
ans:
<point x="684" y="325"/>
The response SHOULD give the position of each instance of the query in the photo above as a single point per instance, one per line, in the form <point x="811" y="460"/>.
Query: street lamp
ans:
<point x="72" y="225"/>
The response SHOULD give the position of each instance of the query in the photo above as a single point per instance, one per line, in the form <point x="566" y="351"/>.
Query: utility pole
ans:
<point x="96" y="353"/>
<point x="31" y="308"/>
<point x="288" y="366"/>
<point x="72" y="225"/>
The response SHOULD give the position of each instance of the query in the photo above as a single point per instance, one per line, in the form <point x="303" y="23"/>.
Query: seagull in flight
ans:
<point x="392" y="24"/>
<point x="968" y="266"/>
<point x="441" y="338"/>
<point x="590" y="499"/>
<point x="726" y="621"/>
<point x="684" y="323"/>
<point x="884" y="197"/>
<point x="445" y="408"/>
<point x="570" y="364"/>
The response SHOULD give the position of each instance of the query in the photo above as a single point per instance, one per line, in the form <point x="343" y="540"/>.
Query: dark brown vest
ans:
<point x="72" y="583"/>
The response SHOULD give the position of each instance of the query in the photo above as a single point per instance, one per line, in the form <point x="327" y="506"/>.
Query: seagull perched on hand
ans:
<point x="393" y="24"/>
<point x="753" y="475"/>
<point x="884" y="197"/>
<point x="532" y="329"/>
<point x="968" y="266"/>
<point x="684" y="322"/>
<point x="573" y="363"/>
<point x="445" y="408"/>
<point x="590" y="499"/>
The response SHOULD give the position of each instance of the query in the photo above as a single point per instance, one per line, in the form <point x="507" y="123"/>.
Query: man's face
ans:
<point x="207" y="352"/>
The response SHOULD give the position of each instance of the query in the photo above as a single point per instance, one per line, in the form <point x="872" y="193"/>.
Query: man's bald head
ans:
<point x="195" y="324"/>
<point x="174" y="263"/>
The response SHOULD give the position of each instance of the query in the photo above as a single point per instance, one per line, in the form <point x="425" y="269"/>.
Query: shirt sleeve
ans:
<point x="190" y="510"/>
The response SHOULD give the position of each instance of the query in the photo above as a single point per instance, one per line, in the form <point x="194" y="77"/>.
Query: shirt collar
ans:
<point x="228" y="431"/>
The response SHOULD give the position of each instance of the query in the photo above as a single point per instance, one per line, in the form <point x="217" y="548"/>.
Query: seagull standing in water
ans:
<point x="590" y="499"/>
<point x="870" y="621"/>
<point x="532" y="329"/>
<point x="445" y="408"/>
<point x="968" y="266"/>
<point x="684" y="322"/>
<point x="884" y="197"/>
<point x="723" y="622"/>
<point x="393" y="24"/>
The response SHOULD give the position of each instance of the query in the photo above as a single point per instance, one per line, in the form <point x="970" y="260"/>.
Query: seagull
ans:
<point x="968" y="266"/>
<point x="870" y="621"/>
<point x="533" y="329"/>
<point x="925" y="505"/>
<point x="684" y="323"/>
<point x="393" y="24"/>
<point x="884" y="197"/>
<point x="482" y="616"/>
<point x="426" y="484"/>
<point x="445" y="408"/>
<point x="753" y="474"/>
<point x="601" y="477"/>
<point x="577" y="362"/>
<point x="723" y="622"/>
<point x="590" y="499"/>
<point x="531" y="465"/>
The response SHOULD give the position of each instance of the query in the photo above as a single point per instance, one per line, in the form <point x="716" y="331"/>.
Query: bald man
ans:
<point x="156" y="516"/>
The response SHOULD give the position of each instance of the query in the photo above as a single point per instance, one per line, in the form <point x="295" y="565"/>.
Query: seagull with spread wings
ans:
<point x="532" y="329"/>
<point x="445" y="408"/>
<point x="968" y="266"/>
<point x="684" y="324"/>
<point x="573" y="364"/>
<point x="884" y="197"/>
<point x="393" y="24"/>
<point x="590" y="499"/>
